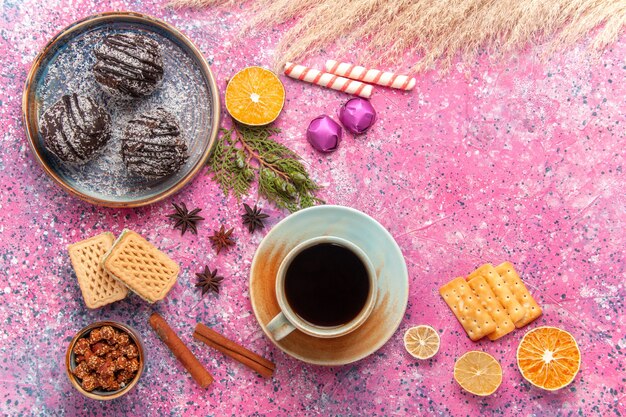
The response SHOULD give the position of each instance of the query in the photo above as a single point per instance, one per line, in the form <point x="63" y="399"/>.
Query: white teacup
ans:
<point x="288" y="320"/>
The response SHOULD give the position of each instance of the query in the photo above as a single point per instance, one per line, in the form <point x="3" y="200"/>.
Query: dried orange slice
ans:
<point x="422" y="341"/>
<point x="478" y="373"/>
<point x="255" y="96"/>
<point x="548" y="358"/>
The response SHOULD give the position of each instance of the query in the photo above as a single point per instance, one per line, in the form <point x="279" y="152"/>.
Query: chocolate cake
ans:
<point x="153" y="146"/>
<point x="128" y="65"/>
<point x="75" y="127"/>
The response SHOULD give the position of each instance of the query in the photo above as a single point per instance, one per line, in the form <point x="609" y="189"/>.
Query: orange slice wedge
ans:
<point x="422" y="341"/>
<point x="478" y="373"/>
<point x="255" y="96"/>
<point x="548" y="358"/>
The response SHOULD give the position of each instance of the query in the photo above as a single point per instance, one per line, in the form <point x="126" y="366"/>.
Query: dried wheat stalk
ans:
<point x="434" y="31"/>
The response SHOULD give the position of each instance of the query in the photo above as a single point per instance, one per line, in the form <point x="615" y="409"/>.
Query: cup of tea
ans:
<point x="326" y="287"/>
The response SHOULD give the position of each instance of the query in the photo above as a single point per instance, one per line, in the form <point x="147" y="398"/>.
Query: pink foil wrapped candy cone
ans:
<point x="324" y="134"/>
<point x="357" y="115"/>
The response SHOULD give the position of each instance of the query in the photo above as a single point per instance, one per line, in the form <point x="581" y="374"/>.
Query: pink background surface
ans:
<point x="520" y="160"/>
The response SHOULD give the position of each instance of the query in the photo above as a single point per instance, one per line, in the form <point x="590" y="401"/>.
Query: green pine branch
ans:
<point x="244" y="154"/>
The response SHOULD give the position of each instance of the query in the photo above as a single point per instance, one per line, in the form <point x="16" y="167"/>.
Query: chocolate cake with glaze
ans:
<point x="128" y="65"/>
<point x="153" y="146"/>
<point x="75" y="128"/>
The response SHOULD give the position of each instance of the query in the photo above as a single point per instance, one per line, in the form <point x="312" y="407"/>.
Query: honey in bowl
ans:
<point x="104" y="360"/>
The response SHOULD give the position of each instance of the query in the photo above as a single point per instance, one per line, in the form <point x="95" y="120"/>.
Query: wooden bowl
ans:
<point x="70" y="361"/>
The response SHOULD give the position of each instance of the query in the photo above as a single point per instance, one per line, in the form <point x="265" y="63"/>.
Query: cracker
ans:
<point x="466" y="307"/>
<point x="140" y="266"/>
<point x="96" y="285"/>
<point x="489" y="301"/>
<point x="501" y="290"/>
<point x="512" y="279"/>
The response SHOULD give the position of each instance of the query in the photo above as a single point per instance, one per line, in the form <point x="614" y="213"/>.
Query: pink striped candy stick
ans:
<point x="374" y="76"/>
<point x="324" y="79"/>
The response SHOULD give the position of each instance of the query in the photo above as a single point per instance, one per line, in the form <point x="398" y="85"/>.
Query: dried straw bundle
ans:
<point x="433" y="30"/>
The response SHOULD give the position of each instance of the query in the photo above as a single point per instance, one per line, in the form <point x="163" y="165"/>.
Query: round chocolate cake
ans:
<point x="128" y="65"/>
<point x="75" y="127"/>
<point x="153" y="146"/>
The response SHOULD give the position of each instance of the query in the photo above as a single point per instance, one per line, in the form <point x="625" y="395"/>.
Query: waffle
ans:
<point x="97" y="287"/>
<point x="140" y="266"/>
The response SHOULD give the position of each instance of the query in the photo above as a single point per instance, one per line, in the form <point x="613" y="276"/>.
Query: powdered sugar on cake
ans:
<point x="182" y="92"/>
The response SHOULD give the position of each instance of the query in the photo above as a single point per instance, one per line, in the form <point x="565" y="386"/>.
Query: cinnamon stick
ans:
<point x="215" y="340"/>
<point x="180" y="350"/>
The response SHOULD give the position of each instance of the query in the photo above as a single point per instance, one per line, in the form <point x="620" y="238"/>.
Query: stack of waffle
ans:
<point x="107" y="269"/>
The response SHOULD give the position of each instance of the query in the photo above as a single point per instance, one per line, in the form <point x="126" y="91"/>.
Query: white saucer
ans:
<point x="380" y="247"/>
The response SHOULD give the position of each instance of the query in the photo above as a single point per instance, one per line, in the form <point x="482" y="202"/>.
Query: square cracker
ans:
<point x="489" y="301"/>
<point x="96" y="285"/>
<point x="467" y="308"/>
<point x="501" y="290"/>
<point x="512" y="279"/>
<point x="140" y="266"/>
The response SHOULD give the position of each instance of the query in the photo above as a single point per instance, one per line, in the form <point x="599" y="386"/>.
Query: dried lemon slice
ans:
<point x="422" y="341"/>
<point x="478" y="373"/>
<point x="254" y="96"/>
<point x="548" y="358"/>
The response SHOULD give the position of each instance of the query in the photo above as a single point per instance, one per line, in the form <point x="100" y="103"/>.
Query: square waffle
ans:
<point x="97" y="287"/>
<point x="140" y="266"/>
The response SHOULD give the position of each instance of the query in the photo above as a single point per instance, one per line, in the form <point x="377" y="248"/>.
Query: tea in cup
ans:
<point x="326" y="287"/>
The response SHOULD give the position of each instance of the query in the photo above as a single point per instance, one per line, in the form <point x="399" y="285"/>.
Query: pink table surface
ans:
<point x="521" y="160"/>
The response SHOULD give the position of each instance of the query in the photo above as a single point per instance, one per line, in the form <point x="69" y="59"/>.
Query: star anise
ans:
<point x="209" y="281"/>
<point x="253" y="218"/>
<point x="185" y="219"/>
<point x="221" y="239"/>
